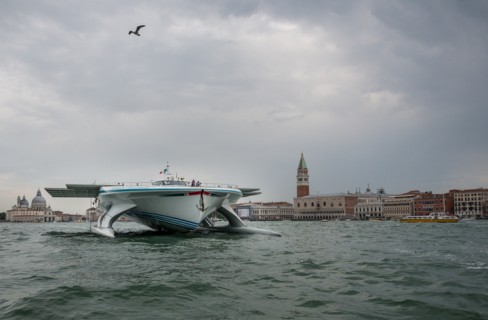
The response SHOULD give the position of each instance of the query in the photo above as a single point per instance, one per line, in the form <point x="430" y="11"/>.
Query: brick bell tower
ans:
<point x="302" y="179"/>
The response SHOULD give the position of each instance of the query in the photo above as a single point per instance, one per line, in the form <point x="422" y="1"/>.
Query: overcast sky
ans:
<point x="390" y="93"/>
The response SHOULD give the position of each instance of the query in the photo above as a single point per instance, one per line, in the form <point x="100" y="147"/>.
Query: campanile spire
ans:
<point x="302" y="178"/>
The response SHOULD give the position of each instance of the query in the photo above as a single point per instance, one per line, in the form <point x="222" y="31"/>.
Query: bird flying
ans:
<point x="137" y="30"/>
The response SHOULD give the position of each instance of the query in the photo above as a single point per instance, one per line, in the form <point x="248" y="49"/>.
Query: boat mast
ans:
<point x="165" y="171"/>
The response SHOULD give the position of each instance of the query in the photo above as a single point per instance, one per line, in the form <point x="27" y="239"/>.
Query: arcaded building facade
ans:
<point x="325" y="206"/>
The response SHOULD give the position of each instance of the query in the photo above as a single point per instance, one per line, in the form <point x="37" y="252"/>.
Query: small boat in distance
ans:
<point x="164" y="205"/>
<point x="439" y="217"/>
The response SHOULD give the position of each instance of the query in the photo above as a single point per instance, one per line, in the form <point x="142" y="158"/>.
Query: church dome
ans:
<point x="24" y="203"/>
<point x="39" y="200"/>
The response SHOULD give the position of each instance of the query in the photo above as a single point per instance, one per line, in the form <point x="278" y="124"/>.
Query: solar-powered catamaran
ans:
<point x="166" y="205"/>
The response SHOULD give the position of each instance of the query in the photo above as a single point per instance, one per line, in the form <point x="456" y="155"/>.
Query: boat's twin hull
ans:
<point x="176" y="213"/>
<point x="169" y="205"/>
<point x="177" y="209"/>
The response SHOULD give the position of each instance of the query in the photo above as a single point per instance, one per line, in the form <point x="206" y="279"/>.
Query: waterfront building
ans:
<point x="92" y="214"/>
<point x="470" y="203"/>
<point x="37" y="212"/>
<point x="427" y="202"/>
<point x="67" y="217"/>
<point x="414" y="202"/>
<point x="325" y="206"/>
<point x="396" y="207"/>
<point x="370" y="205"/>
<point x="265" y="211"/>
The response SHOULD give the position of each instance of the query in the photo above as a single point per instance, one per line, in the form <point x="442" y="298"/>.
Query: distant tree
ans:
<point x="3" y="215"/>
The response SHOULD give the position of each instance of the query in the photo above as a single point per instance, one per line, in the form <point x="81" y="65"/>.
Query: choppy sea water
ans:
<point x="316" y="270"/>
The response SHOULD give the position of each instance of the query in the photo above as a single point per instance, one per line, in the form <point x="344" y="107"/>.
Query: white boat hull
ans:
<point x="160" y="208"/>
<point x="178" y="213"/>
<point x="163" y="205"/>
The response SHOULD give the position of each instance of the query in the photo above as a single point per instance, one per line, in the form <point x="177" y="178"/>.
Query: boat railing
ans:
<point x="218" y="185"/>
<point x="170" y="182"/>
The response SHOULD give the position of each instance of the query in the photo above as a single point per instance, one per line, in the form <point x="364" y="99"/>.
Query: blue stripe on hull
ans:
<point x="180" y="223"/>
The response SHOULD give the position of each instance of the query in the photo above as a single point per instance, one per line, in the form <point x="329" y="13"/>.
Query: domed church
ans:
<point x="37" y="212"/>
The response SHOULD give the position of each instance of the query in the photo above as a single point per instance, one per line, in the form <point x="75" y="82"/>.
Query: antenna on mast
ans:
<point x="165" y="171"/>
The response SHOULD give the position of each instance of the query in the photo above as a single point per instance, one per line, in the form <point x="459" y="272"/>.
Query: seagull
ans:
<point x="137" y="30"/>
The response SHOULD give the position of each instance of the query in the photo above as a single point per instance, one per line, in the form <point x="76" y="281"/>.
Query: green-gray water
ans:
<point x="317" y="270"/>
